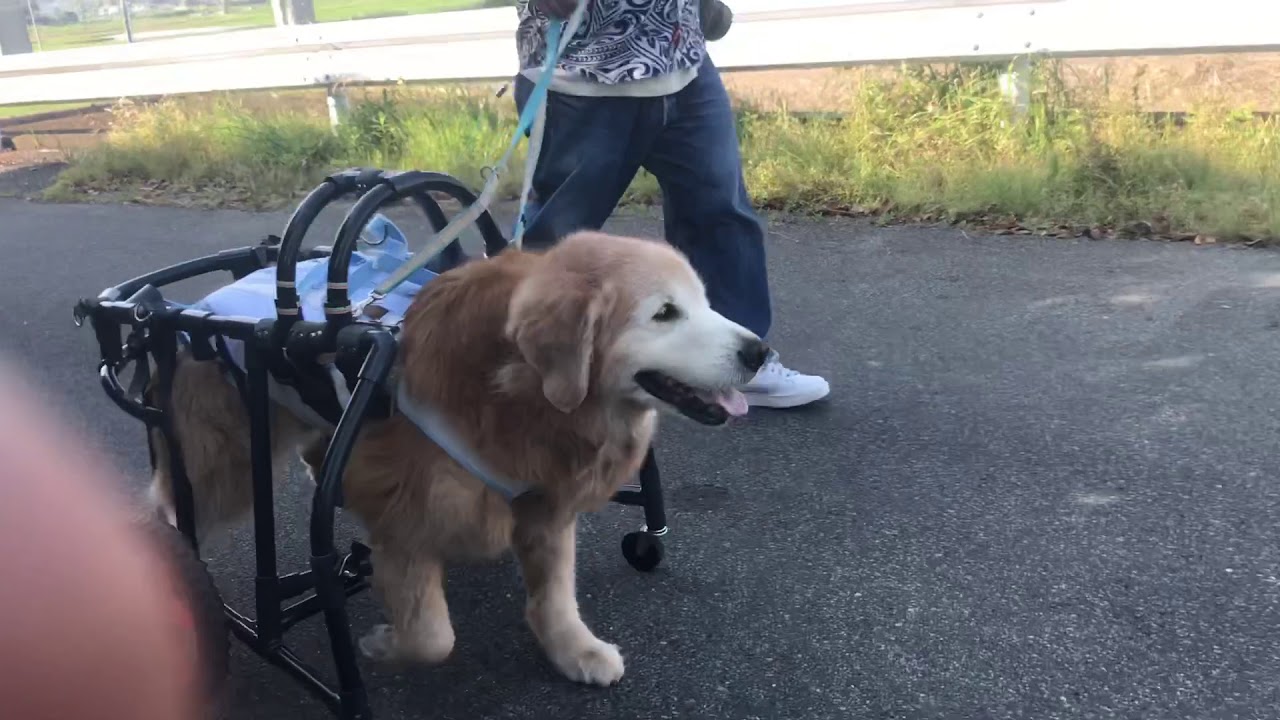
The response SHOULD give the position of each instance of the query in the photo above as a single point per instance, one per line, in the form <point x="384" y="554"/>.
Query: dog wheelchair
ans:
<point x="135" y="325"/>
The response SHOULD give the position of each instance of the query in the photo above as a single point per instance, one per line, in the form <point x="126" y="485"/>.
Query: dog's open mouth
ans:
<point x="705" y="406"/>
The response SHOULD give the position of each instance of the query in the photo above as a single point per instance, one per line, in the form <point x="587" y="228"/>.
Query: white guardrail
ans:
<point x="480" y="45"/>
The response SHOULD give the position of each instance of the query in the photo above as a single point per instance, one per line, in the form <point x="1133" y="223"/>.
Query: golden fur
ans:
<point x="531" y="357"/>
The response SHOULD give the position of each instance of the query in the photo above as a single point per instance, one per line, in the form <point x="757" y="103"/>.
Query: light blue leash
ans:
<point x="532" y="119"/>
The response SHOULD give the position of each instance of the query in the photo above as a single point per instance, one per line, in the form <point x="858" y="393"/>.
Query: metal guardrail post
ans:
<point x="339" y="104"/>
<point x="1015" y="85"/>
<point x="14" y="39"/>
<point x="126" y="15"/>
<point x="293" y="12"/>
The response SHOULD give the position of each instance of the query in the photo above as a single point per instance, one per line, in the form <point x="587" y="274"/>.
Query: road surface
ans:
<point x="1044" y="486"/>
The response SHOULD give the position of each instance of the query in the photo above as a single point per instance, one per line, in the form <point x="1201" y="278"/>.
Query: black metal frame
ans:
<point x="364" y="353"/>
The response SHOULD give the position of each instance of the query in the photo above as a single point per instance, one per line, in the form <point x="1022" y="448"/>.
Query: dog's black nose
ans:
<point x="753" y="354"/>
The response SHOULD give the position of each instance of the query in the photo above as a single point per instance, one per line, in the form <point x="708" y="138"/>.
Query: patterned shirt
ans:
<point x="623" y="47"/>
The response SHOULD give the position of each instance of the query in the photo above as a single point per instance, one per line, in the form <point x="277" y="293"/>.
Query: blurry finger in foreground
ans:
<point x="85" y="600"/>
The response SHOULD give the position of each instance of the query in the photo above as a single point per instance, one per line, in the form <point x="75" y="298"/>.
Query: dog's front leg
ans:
<point x="546" y="553"/>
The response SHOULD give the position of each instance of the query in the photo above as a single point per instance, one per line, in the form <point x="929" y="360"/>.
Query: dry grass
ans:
<point x="1155" y="83"/>
<point x="911" y="143"/>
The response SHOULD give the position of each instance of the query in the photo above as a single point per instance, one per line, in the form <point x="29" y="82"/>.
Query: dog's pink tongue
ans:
<point x="733" y="401"/>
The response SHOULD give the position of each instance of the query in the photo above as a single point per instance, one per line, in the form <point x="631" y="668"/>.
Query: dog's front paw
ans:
<point x="384" y="644"/>
<point x="379" y="644"/>
<point x="595" y="663"/>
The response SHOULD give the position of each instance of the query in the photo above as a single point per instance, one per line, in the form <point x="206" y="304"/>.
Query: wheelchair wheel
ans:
<point x="642" y="550"/>
<point x="197" y="608"/>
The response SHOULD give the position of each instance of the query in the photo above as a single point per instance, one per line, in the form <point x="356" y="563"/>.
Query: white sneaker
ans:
<point x="777" y="386"/>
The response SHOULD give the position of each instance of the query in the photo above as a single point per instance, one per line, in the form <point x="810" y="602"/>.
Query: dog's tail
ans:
<point x="211" y="426"/>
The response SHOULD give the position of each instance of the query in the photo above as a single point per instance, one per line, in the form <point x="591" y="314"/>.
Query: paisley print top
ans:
<point x="619" y="41"/>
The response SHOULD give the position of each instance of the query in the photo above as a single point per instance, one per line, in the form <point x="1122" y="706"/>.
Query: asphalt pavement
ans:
<point x="1044" y="486"/>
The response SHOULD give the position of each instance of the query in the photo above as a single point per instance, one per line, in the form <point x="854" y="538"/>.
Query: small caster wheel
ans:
<point x="643" y="550"/>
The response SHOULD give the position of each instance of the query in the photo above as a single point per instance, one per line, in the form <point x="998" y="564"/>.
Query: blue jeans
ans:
<point x="593" y="147"/>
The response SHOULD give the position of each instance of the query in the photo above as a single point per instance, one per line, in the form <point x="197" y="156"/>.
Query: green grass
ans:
<point x="101" y="32"/>
<point x="926" y="144"/>
<point x="333" y="10"/>
<point x="14" y="111"/>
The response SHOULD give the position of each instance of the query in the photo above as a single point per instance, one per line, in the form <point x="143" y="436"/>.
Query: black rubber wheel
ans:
<point x="642" y="550"/>
<point x="6" y="143"/>
<point x="199" y="609"/>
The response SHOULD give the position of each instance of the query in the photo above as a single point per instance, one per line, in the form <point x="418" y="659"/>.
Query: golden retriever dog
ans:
<point x="551" y="366"/>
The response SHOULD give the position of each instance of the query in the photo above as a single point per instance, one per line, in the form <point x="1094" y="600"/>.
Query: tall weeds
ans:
<point x="936" y="142"/>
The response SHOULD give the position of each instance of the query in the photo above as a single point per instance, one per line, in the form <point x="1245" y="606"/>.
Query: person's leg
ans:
<point x="590" y="154"/>
<point x="705" y="208"/>
<point x="708" y="215"/>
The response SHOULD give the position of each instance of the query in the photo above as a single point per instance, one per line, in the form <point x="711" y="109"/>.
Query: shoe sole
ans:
<point x="785" y="401"/>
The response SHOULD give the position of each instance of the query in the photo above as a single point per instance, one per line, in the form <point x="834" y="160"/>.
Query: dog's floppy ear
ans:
<point x="555" y="320"/>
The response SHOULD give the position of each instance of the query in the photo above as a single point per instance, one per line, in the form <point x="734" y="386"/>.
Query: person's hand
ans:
<point x="716" y="17"/>
<point x="556" y="8"/>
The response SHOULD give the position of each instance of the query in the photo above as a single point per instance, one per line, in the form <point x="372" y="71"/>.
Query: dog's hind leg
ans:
<point x="212" y="428"/>
<point x="413" y="592"/>
<point x="546" y="554"/>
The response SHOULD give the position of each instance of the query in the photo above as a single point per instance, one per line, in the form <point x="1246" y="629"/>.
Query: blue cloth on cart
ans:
<point x="255" y="294"/>
<point x="385" y="249"/>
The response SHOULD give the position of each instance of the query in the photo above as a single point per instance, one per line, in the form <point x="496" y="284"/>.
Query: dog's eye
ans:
<point x="666" y="313"/>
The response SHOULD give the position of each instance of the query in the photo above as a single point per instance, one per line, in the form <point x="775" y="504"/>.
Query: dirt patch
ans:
<point x="89" y="121"/>
<point x="34" y="166"/>
<point x="28" y="181"/>
<point x="45" y="146"/>
<point x="27" y="171"/>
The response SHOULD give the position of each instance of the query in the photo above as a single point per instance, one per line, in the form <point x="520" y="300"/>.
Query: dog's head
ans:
<point x="626" y="320"/>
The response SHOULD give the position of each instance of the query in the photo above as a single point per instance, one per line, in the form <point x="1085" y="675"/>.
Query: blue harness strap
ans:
<point x="433" y="425"/>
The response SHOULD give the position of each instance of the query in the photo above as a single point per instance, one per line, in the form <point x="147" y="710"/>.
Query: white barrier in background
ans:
<point x="479" y="44"/>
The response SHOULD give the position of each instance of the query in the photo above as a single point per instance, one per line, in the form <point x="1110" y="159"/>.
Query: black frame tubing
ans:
<point x="379" y="358"/>
<point x="361" y="181"/>
<point x="391" y="188"/>
<point x="266" y="580"/>
<point x="145" y="310"/>
<point x="289" y="341"/>
<point x="647" y="495"/>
